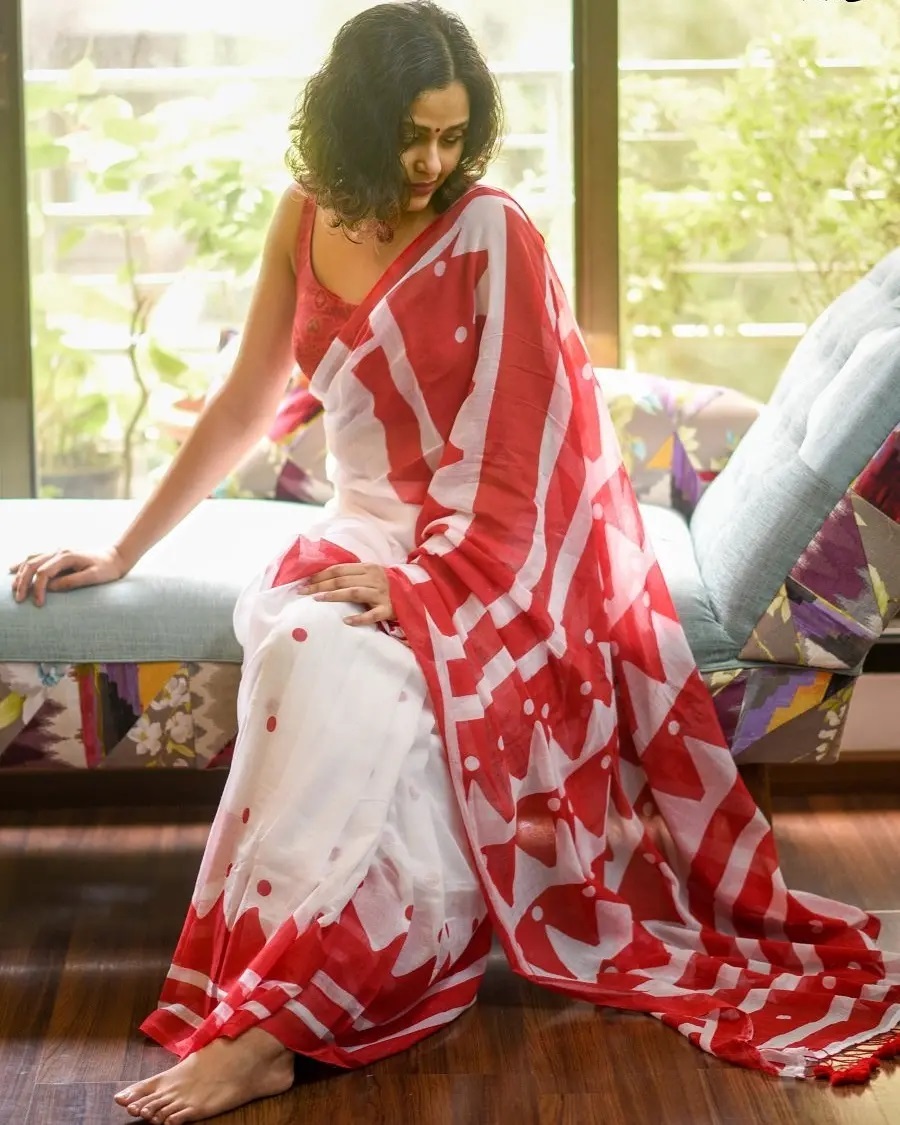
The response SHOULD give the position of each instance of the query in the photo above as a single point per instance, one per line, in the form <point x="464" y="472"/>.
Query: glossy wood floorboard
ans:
<point x="91" y="903"/>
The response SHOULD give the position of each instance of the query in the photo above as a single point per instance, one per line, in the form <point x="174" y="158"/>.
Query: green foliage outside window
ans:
<point x="784" y="161"/>
<point x="180" y="173"/>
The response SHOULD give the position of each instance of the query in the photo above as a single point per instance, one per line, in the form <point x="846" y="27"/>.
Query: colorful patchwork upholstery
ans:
<point x="845" y="587"/>
<point x="676" y="436"/>
<point x="114" y="716"/>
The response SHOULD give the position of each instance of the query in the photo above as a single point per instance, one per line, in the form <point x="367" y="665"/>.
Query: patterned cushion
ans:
<point x="675" y="435"/>
<point x="845" y="587"/>
<point x="834" y="407"/>
<point x="289" y="462"/>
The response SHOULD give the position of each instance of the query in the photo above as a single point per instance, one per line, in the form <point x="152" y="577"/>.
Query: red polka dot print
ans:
<point x="264" y="887"/>
<point x="245" y="815"/>
<point x="300" y="635"/>
<point x="271" y="723"/>
<point x="229" y="869"/>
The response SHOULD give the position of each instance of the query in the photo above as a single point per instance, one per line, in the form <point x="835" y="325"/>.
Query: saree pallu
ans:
<point x="582" y="790"/>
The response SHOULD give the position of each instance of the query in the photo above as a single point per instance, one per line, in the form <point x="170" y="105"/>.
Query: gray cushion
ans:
<point x="670" y="537"/>
<point x="836" y="403"/>
<point x="176" y="604"/>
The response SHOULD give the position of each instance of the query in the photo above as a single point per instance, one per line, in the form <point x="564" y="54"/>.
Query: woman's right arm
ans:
<point x="235" y="418"/>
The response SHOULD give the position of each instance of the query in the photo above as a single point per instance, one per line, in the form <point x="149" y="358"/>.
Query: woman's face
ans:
<point x="434" y="141"/>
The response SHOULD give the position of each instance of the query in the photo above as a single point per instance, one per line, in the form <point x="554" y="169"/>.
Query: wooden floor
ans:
<point x="91" y="903"/>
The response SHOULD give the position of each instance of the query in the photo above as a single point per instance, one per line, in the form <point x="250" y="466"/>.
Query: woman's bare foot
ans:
<point x="226" y="1074"/>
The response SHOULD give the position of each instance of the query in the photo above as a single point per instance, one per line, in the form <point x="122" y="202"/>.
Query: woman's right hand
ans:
<point x="65" y="570"/>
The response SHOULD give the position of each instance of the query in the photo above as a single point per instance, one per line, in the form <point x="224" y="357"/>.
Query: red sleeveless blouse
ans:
<point x="319" y="314"/>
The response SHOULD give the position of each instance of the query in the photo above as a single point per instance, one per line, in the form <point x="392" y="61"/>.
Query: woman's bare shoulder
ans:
<point x="284" y="228"/>
<point x="290" y="205"/>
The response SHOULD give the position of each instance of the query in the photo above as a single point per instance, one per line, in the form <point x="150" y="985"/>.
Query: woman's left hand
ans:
<point x="354" y="582"/>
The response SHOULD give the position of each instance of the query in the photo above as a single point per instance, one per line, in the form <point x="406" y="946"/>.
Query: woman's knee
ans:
<point x="315" y="626"/>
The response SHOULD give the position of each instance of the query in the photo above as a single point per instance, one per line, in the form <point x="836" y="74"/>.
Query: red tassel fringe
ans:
<point x="860" y="1070"/>
<point x="855" y="1075"/>
<point x="889" y="1050"/>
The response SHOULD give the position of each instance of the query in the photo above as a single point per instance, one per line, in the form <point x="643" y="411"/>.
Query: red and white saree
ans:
<point x="531" y="752"/>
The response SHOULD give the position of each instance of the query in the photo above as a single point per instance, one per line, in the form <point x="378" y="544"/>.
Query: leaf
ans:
<point x="69" y="239"/>
<point x="91" y="416"/>
<point x="106" y="112"/>
<point x="882" y="598"/>
<point x="11" y="709"/>
<point x="82" y="78"/>
<point x="41" y="97"/>
<point x="178" y="748"/>
<point x="115" y="181"/>
<point x="45" y="156"/>
<point x="169" y="366"/>
<point x="130" y="130"/>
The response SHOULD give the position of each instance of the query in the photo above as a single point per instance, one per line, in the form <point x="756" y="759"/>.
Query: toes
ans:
<point x="132" y="1094"/>
<point x="153" y="1110"/>
<point x="139" y="1105"/>
<point x="134" y="1097"/>
<point x="182" y="1115"/>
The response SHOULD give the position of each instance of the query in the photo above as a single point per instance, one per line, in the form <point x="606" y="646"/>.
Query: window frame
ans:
<point x="595" y="55"/>
<point x="18" y="475"/>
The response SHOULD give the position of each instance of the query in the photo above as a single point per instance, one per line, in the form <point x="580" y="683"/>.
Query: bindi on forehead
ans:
<point x="437" y="130"/>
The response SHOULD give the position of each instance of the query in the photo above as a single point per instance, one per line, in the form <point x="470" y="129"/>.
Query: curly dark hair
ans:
<point x="347" y="130"/>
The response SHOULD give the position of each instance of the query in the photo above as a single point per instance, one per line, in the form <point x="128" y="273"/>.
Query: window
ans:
<point x="154" y="159"/>
<point x="758" y="177"/>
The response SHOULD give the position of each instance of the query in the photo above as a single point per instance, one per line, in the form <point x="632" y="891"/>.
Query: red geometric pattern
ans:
<point x="621" y="858"/>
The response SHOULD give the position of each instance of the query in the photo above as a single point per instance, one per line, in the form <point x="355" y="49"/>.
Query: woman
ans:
<point x="507" y="734"/>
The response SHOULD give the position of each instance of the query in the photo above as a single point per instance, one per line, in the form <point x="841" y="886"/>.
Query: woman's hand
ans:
<point x="354" y="582"/>
<point x="64" y="570"/>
